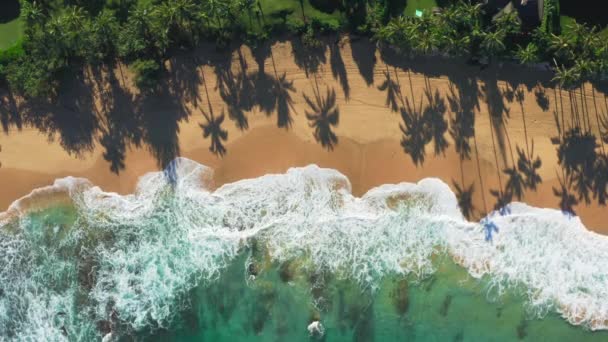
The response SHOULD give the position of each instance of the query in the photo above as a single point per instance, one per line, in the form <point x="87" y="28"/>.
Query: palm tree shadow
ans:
<point x="71" y="117"/>
<point x="184" y="82"/>
<point x="120" y="126"/>
<point x="9" y="113"/>
<point x="213" y="128"/>
<point x="503" y="199"/>
<point x="529" y="167"/>
<point x="462" y="124"/>
<point x="600" y="181"/>
<point x="338" y="69"/>
<point x="393" y="91"/>
<point x="567" y="201"/>
<point x="274" y="93"/>
<point x="364" y="55"/>
<point x="541" y="98"/>
<point x="414" y="133"/>
<point x="577" y="155"/>
<point x="498" y="112"/>
<point x="465" y="198"/>
<point x="434" y="114"/>
<point x="515" y="182"/>
<point x="161" y="115"/>
<point x="237" y="91"/>
<point x="308" y="58"/>
<point x="323" y="114"/>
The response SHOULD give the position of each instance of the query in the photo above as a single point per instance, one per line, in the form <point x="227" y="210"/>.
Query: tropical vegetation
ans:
<point x="59" y="35"/>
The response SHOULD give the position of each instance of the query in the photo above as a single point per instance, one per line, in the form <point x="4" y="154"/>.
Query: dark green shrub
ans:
<point x="325" y="26"/>
<point x="295" y="25"/>
<point x="550" y="21"/>
<point x="327" y="6"/>
<point x="147" y="73"/>
<point x="11" y="54"/>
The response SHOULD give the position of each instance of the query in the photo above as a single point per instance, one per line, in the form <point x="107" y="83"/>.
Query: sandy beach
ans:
<point x="368" y="149"/>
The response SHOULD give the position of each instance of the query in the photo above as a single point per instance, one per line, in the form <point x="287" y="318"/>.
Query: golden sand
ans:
<point x="368" y="151"/>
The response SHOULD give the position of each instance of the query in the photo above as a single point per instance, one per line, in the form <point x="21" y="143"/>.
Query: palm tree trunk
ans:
<point x="572" y="113"/>
<point x="561" y="101"/>
<point x="303" y="14"/>
<point x="523" y="118"/>
<point x="398" y="84"/>
<point x="483" y="196"/>
<point x="207" y="92"/>
<point x="597" y="118"/>
<point x="560" y="129"/>
<point x="411" y="89"/>
<point x="584" y="107"/>
<point x="496" y="157"/>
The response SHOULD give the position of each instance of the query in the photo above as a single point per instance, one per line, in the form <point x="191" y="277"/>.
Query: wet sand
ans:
<point x="368" y="150"/>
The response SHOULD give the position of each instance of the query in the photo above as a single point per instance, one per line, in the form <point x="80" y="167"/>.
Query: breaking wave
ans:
<point x="74" y="259"/>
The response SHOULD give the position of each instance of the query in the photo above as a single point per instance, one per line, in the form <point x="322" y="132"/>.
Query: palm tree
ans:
<point x="528" y="55"/>
<point x="213" y="128"/>
<point x="323" y="115"/>
<point x="493" y="43"/>
<point x="178" y="17"/>
<point x="32" y="15"/>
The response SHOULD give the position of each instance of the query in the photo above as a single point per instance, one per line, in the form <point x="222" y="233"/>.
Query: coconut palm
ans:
<point x="493" y="43"/>
<point x="32" y="16"/>
<point x="528" y="55"/>
<point x="178" y="16"/>
<point x="324" y="115"/>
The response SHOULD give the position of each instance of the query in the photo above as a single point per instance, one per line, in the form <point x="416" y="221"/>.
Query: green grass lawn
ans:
<point x="10" y="33"/>
<point x="272" y="8"/>
<point x="413" y="5"/>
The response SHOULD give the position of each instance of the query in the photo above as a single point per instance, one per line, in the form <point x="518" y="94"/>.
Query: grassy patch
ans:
<point x="413" y="5"/>
<point x="288" y="12"/>
<point x="10" y="33"/>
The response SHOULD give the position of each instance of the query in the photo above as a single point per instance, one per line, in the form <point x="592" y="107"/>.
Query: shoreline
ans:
<point x="368" y="150"/>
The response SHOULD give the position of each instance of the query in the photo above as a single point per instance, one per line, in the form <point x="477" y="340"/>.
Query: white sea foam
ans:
<point x="173" y="233"/>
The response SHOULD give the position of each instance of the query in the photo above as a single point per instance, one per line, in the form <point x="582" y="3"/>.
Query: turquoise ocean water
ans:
<point x="260" y="259"/>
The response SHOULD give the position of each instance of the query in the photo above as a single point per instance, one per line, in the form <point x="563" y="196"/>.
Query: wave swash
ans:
<point x="103" y="256"/>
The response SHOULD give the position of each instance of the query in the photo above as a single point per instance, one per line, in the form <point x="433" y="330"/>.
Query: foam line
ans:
<point x="149" y="248"/>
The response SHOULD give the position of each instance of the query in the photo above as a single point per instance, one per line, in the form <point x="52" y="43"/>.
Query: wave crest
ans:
<point x="137" y="256"/>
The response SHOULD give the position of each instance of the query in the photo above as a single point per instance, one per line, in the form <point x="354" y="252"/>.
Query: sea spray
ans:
<point x="133" y="264"/>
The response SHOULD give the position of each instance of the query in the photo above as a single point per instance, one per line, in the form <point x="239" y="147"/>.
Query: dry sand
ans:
<point x="368" y="150"/>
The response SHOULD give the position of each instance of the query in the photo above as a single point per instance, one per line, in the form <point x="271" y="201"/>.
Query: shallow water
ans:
<point x="258" y="260"/>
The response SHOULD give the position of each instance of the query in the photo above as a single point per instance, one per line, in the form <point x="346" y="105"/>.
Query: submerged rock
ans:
<point x="400" y="296"/>
<point x="316" y="329"/>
